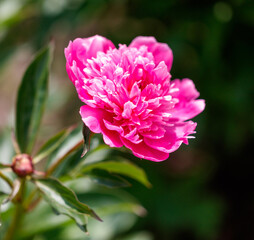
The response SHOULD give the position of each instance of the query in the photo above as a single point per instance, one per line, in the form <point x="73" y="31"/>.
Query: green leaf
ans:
<point x="87" y="137"/>
<point x="52" y="144"/>
<point x="69" y="162"/>
<point x="119" y="167"/>
<point x="104" y="178"/>
<point x="64" y="201"/>
<point x="3" y="196"/>
<point x="130" y="207"/>
<point x="31" y="100"/>
<point x="64" y="147"/>
<point x="6" y="147"/>
<point x="98" y="154"/>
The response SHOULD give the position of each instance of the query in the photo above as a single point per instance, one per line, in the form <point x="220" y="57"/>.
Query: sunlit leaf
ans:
<point x="64" y="201"/>
<point x="31" y="100"/>
<point x="3" y="196"/>
<point x="104" y="178"/>
<point x="119" y="167"/>
<point x="69" y="162"/>
<point x="52" y="144"/>
<point x="130" y="207"/>
<point x="98" y="154"/>
<point x="73" y="137"/>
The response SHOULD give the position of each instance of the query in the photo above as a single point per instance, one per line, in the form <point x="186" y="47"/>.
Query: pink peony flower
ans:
<point x="129" y="96"/>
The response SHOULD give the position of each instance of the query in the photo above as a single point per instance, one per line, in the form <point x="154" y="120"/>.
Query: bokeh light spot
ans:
<point x="223" y="11"/>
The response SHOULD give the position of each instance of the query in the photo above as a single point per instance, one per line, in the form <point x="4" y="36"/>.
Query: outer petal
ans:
<point x="173" y="137"/>
<point x="142" y="150"/>
<point x="82" y="49"/>
<point x="187" y="90"/>
<point x="160" y="51"/>
<point x="187" y="107"/>
<point x="93" y="119"/>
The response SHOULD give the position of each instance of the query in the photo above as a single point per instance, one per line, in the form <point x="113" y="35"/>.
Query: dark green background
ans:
<point x="205" y="190"/>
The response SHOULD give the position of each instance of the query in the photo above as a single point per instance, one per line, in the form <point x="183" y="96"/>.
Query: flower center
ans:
<point x="127" y="84"/>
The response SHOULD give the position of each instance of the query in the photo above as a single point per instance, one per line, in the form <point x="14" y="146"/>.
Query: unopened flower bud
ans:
<point x="22" y="165"/>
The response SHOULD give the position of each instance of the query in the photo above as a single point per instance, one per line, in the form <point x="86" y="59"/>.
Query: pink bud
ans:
<point x="22" y="165"/>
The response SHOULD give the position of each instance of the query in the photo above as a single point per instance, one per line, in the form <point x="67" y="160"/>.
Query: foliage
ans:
<point x="212" y="43"/>
<point x="62" y="156"/>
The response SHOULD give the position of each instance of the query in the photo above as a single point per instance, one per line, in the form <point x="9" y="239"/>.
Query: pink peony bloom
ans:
<point x="129" y="96"/>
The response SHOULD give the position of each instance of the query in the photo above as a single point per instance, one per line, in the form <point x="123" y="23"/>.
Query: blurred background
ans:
<point x="204" y="190"/>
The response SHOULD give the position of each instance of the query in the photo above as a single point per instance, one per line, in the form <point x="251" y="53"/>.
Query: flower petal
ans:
<point x="142" y="150"/>
<point x="160" y="51"/>
<point x="188" y="110"/>
<point x="187" y="90"/>
<point x="173" y="137"/>
<point x="187" y="106"/>
<point x="93" y="119"/>
<point x="82" y="49"/>
<point x="129" y="96"/>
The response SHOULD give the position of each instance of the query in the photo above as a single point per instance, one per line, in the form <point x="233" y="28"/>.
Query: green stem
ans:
<point x="18" y="215"/>
<point x="29" y="199"/>
<point x="6" y="179"/>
